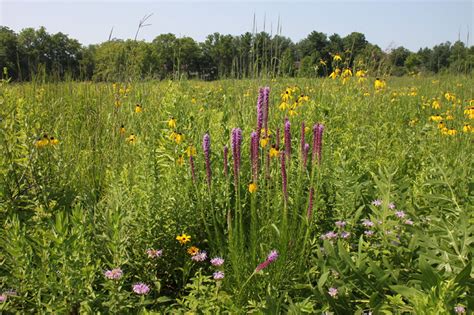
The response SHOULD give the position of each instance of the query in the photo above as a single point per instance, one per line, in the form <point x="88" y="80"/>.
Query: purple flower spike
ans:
<point x="254" y="155"/>
<point x="193" y="171"/>
<point x="287" y="139"/>
<point x="206" y="147"/>
<point x="277" y="138"/>
<point x="283" y="177"/>
<point x="302" y="139"/>
<point x="318" y="130"/>
<point x="236" y="144"/>
<point x="260" y="110"/>
<point x="272" y="256"/>
<point x="266" y="96"/>
<point x="305" y="154"/>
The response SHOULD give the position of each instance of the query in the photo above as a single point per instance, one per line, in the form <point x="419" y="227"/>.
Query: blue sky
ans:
<point x="389" y="24"/>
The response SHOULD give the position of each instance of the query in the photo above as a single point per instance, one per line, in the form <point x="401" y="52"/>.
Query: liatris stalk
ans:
<point x="266" y="96"/>
<point x="305" y="154"/>
<point x="287" y="139"/>
<point x="206" y="147"/>
<point x="260" y="111"/>
<point x="310" y="204"/>
<point x="302" y="138"/>
<point x="270" y="258"/>
<point x="236" y="143"/>
<point x="193" y="171"/>
<point x="254" y="155"/>
<point x="277" y="138"/>
<point x="283" y="177"/>
<point x="317" y="142"/>
<point x="226" y="168"/>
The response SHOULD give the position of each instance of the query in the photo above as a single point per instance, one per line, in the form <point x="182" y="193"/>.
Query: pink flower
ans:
<point x="217" y="261"/>
<point x="141" y="288"/>
<point x="201" y="256"/>
<point x="218" y="275"/>
<point x="332" y="292"/>
<point x="154" y="253"/>
<point x="114" y="274"/>
<point x="3" y="298"/>
<point x="272" y="256"/>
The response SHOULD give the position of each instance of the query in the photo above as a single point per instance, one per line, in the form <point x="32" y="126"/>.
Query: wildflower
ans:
<point x="329" y="236"/>
<point x="122" y="130"/>
<point x="436" y="104"/>
<point x="44" y="141"/>
<point x="53" y="141"/>
<point x="206" y="147"/>
<point x="322" y="62"/>
<point x="459" y="309"/>
<point x="217" y="261"/>
<point x="345" y="234"/>
<point x="178" y="138"/>
<point x="132" y="139"/>
<point x="260" y="109"/>
<point x="264" y="141"/>
<point x="193" y="250"/>
<point x="467" y="128"/>
<point x="436" y="118"/>
<point x="191" y="151"/>
<point x="236" y="143"/>
<point x="218" y="275"/>
<point x="252" y="188"/>
<point x="391" y="206"/>
<point x="193" y="100"/>
<point x="452" y="132"/>
<point x="367" y="223"/>
<point x="283" y="178"/>
<point x="254" y="155"/>
<point x="3" y="298"/>
<point x="113" y="274"/>
<point x="287" y="139"/>
<point x="305" y="154"/>
<point x="337" y="57"/>
<point x="138" y="108"/>
<point x="272" y="256"/>
<point x="309" y="212"/>
<point x="369" y="233"/>
<point x="141" y="288"/>
<point x="266" y="96"/>
<point x="180" y="160"/>
<point x="379" y="84"/>
<point x="377" y="202"/>
<point x="200" y="256"/>
<point x="360" y="73"/>
<point x="274" y="152"/>
<point x="154" y="253"/>
<point x="408" y="222"/>
<point x="441" y="125"/>
<point x="318" y="130"/>
<point x="183" y="238"/>
<point x="347" y="72"/>
<point x="332" y="292"/>
<point x="172" y="123"/>
<point x="400" y="214"/>
<point x="340" y="224"/>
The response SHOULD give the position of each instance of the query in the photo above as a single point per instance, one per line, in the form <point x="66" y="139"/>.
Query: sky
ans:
<point x="389" y="24"/>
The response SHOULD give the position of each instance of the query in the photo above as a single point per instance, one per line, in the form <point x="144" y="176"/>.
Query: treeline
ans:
<point x="32" y="53"/>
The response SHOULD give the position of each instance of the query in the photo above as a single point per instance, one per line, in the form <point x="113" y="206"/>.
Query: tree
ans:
<point x="9" y="52"/>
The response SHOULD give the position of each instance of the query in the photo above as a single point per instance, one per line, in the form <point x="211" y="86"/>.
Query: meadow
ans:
<point x="348" y="195"/>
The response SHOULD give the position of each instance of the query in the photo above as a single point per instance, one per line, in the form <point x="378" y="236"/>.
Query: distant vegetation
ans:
<point x="56" y="56"/>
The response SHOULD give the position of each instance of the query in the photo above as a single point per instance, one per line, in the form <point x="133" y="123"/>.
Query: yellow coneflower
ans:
<point x="274" y="152"/>
<point x="283" y="106"/>
<point x="117" y="102"/>
<point x="179" y="138"/>
<point x="467" y="128"/>
<point x="252" y="188"/>
<point x="42" y="142"/>
<point x="360" y="73"/>
<point x="193" y="100"/>
<point x="138" y="108"/>
<point x="180" y="160"/>
<point x="469" y="112"/>
<point x="191" y="151"/>
<point x="441" y="125"/>
<point x="172" y="123"/>
<point x="436" y="118"/>
<point x="292" y="112"/>
<point x="379" y="84"/>
<point x="436" y="104"/>
<point x="337" y="57"/>
<point x="183" y="238"/>
<point x="264" y="141"/>
<point x="193" y="250"/>
<point x="322" y="62"/>
<point x="122" y="130"/>
<point x="131" y="139"/>
<point x="53" y="141"/>
<point x="347" y="72"/>
<point x="450" y="97"/>
<point x="413" y="122"/>
<point x="452" y="132"/>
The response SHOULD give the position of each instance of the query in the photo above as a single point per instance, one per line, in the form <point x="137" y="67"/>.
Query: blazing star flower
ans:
<point x="329" y="236"/>
<point x="283" y="177"/>
<point x="332" y="292"/>
<point x="377" y="202"/>
<point x="367" y="223"/>
<point x="459" y="309"/>
<point x="206" y="146"/>
<point x="113" y="274"/>
<point x="254" y="154"/>
<point x="154" y="253"/>
<point x="400" y="214"/>
<point x="218" y="275"/>
<point x="340" y="224"/>
<point x="345" y="234"/>
<point x="272" y="256"/>
<point x="201" y="256"/>
<point x="141" y="288"/>
<point x="287" y="139"/>
<point x="305" y="154"/>
<point x="217" y="261"/>
<point x="369" y="233"/>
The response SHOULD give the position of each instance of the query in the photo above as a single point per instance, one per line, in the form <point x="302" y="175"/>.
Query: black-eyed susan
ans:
<point x="379" y="84"/>
<point x="264" y="141"/>
<point x="274" y="152"/>
<point x="42" y="142"/>
<point x="436" y="118"/>
<point x="122" y="130"/>
<point x="180" y="160"/>
<point x="172" y="123"/>
<point x="183" y="238"/>
<point x="193" y="250"/>
<point x="252" y="188"/>
<point x="138" y="108"/>
<point x="132" y="139"/>
<point x="53" y="141"/>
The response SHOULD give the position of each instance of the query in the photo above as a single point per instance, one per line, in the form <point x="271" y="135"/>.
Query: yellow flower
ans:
<point x="436" y="118"/>
<point x="337" y="57"/>
<point x="366" y="94"/>
<point x="333" y="75"/>
<point x="307" y="129"/>
<point x="179" y="138"/>
<point x="252" y="188"/>
<point x="53" y="141"/>
<point x="436" y="104"/>
<point x="138" y="108"/>
<point x="191" y="151"/>
<point x="283" y="106"/>
<point x="172" y="123"/>
<point x="44" y="141"/>
<point x="292" y="112"/>
<point x="264" y="141"/>
<point x="469" y="112"/>
<point x="450" y="97"/>
<point x="347" y="72"/>
<point x="193" y="250"/>
<point x="452" y="132"/>
<point x="467" y="128"/>
<point x="413" y="122"/>
<point x="441" y="125"/>
<point x="193" y="100"/>
<point x="360" y="73"/>
<point x="379" y="84"/>
<point x="274" y="152"/>
<point x="117" y="102"/>
<point x="183" y="238"/>
<point x="345" y="79"/>
<point x="131" y="139"/>
<point x="122" y="130"/>
<point x="322" y="62"/>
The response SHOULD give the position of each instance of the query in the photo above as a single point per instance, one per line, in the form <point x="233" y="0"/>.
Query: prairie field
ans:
<point x="299" y="196"/>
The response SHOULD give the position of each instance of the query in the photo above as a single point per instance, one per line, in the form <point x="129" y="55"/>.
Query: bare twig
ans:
<point x="142" y="24"/>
